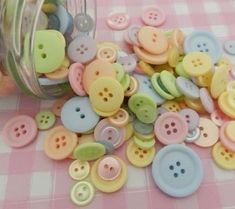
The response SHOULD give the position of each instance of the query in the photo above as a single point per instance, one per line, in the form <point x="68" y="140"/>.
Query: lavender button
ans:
<point x="128" y="63"/>
<point x="191" y="117"/>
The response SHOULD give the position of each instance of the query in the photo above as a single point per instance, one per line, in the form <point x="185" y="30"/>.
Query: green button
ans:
<point x="144" y="137"/>
<point x="49" y="51"/>
<point x="147" y="114"/>
<point x="142" y="128"/>
<point x="180" y="70"/>
<point x="144" y="144"/>
<point x="138" y="100"/>
<point x="168" y="80"/>
<point x="89" y="151"/>
<point x="45" y="119"/>
<point x="120" y="72"/>
<point x="125" y="82"/>
<point x="159" y="87"/>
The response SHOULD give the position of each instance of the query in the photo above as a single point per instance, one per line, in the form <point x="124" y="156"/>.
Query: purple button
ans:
<point x="128" y="63"/>
<point x="132" y="32"/>
<point x="82" y="49"/>
<point x="206" y="100"/>
<point x="191" y="117"/>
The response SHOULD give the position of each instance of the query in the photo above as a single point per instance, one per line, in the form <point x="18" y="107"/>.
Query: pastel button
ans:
<point x="78" y="116"/>
<point x="45" y="119"/>
<point x="95" y="69"/>
<point x="191" y="117"/>
<point x="107" y="132"/>
<point x="177" y="170"/>
<point x="179" y="69"/>
<point x="231" y="86"/>
<point x="193" y="135"/>
<point x="218" y="117"/>
<point x="75" y="78"/>
<point x="229" y="47"/>
<point x="132" y="88"/>
<point x="57" y="105"/>
<point x="83" y="22"/>
<point x="224" y="105"/>
<point x="197" y="63"/>
<point x="171" y="106"/>
<point x="152" y="40"/>
<point x="53" y="22"/>
<point x="82" y="193"/>
<point x="19" y="131"/>
<point x="79" y="170"/>
<point x="209" y="133"/>
<point x="128" y="63"/>
<point x="107" y="53"/>
<point x="227" y="135"/>
<point x="59" y="143"/>
<point x="139" y="157"/>
<point x="177" y="40"/>
<point x="109" y="168"/>
<point x="206" y="100"/>
<point x="147" y="114"/>
<point x="60" y="74"/>
<point x="223" y="157"/>
<point x="132" y="34"/>
<point x="229" y="130"/>
<point x="203" y="41"/>
<point x="120" y="119"/>
<point x="144" y="144"/>
<point x="142" y="128"/>
<point x="106" y="95"/>
<point x="63" y="17"/>
<point x="82" y="49"/>
<point x="118" y="21"/>
<point x="108" y="186"/>
<point x="89" y="151"/>
<point x="153" y="16"/>
<point x="146" y="68"/>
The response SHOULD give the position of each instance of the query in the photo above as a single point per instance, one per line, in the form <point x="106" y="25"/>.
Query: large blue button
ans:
<point x="177" y="170"/>
<point x="203" y="41"/>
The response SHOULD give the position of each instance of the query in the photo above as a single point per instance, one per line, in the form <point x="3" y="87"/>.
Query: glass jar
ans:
<point x="17" y="20"/>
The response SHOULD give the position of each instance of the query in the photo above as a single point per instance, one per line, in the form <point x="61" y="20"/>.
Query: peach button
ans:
<point x="120" y="119"/>
<point x="59" y="74"/>
<point x="177" y="40"/>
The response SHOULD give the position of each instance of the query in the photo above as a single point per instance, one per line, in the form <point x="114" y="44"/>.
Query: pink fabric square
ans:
<point x="115" y="200"/>
<point x="226" y="192"/>
<point x="137" y="199"/>
<point x="4" y="161"/>
<point x="41" y="162"/>
<point x="42" y="204"/>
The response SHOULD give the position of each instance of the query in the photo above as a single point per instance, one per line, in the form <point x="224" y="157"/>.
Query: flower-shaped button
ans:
<point x="79" y="170"/>
<point x="19" y="131"/>
<point x="118" y="20"/>
<point x="45" y="119"/>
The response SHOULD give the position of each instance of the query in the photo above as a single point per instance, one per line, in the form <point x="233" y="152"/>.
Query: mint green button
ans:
<point x="120" y="72"/>
<point x="89" y="151"/>
<point x="144" y="137"/>
<point x="49" y="51"/>
<point x="125" y="82"/>
<point x="168" y="80"/>
<point x="180" y="70"/>
<point x="159" y="87"/>
<point x="143" y="143"/>
<point x="45" y="119"/>
<point x="147" y="113"/>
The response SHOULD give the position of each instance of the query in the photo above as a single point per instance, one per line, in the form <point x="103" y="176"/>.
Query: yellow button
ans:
<point x="223" y="157"/>
<point x="197" y="63"/>
<point x="231" y="86"/>
<point x="224" y="105"/>
<point x="108" y="44"/>
<point x="109" y="186"/>
<point x="132" y="88"/>
<point x="129" y="131"/>
<point x="204" y="80"/>
<point x="223" y="61"/>
<point x="107" y="53"/>
<point x="230" y="130"/>
<point x="79" y="170"/>
<point x="195" y="104"/>
<point x="106" y="95"/>
<point x="120" y="119"/>
<point x="173" y="56"/>
<point x="231" y="99"/>
<point x="146" y="68"/>
<point x="138" y="156"/>
<point x="172" y="106"/>
<point x="219" y="81"/>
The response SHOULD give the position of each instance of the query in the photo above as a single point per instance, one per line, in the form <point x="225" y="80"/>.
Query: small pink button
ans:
<point x="19" y="131"/>
<point x="153" y="16"/>
<point x="109" y="168"/>
<point x="118" y="21"/>
<point x="218" y="117"/>
<point x="75" y="78"/>
<point x="206" y="100"/>
<point x="225" y="140"/>
<point x="171" y="128"/>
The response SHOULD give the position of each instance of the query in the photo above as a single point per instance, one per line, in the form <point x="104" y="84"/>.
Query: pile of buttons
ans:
<point x="173" y="89"/>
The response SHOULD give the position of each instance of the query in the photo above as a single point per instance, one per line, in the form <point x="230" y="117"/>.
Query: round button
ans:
<point x="229" y="130"/>
<point x="120" y="119"/>
<point x="97" y="69"/>
<point x="139" y="157"/>
<point x="45" y="119"/>
<point x="231" y="86"/>
<point x="193" y="135"/>
<point x="118" y="20"/>
<point x="171" y="128"/>
<point x="227" y="135"/>
<point x="153" y="16"/>
<point x="120" y="72"/>
<point x="57" y="105"/>
<point x="146" y="68"/>
<point x="83" y="22"/>
<point x="194" y="104"/>
<point x="147" y="114"/>
<point x="231" y="99"/>
<point x="206" y="100"/>
<point x="203" y="41"/>
<point x="177" y="170"/>
<point x="19" y="131"/>
<point x="128" y="63"/>
<point x="107" y="53"/>
<point x="106" y="95"/>
<point x="108" y="186"/>
<point x="105" y="131"/>
<point x="132" y="88"/>
<point x="218" y="117"/>
<point x="75" y="78"/>
<point x="78" y="116"/>
<point x="82" y="193"/>
<point x="191" y="117"/>
<point x="197" y="63"/>
<point x="171" y="106"/>
<point x="153" y="40"/>
<point x="209" y="133"/>
<point x="229" y="47"/>
<point x="143" y="143"/>
<point x="82" y="49"/>
<point x="142" y="128"/>
<point x="132" y="34"/>
<point x="59" y="74"/>
<point x="79" y="170"/>
<point x="59" y="143"/>
<point x="224" y="106"/>
<point x="109" y="168"/>
<point x="223" y="157"/>
<point x="177" y="40"/>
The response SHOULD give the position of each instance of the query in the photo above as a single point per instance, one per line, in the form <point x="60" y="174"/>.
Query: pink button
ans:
<point x="19" y="131"/>
<point x="75" y="78"/>
<point x="218" y="117"/>
<point x="109" y="168"/>
<point x="206" y="100"/>
<point x="107" y="132"/>
<point x="153" y="16"/>
<point x="171" y="128"/>
<point x="118" y="21"/>
<point x="225" y="140"/>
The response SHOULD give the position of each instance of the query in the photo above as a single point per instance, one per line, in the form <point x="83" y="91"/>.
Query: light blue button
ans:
<point x="49" y="82"/>
<point x="177" y="170"/>
<point x="63" y="17"/>
<point x="78" y="116"/>
<point x="203" y="41"/>
<point x="229" y="47"/>
<point x="145" y="86"/>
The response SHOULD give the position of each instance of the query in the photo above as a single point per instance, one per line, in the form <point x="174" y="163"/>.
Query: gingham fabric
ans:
<point x="29" y="180"/>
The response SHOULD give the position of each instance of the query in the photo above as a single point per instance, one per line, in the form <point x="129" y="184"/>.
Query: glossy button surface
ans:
<point x="79" y="170"/>
<point x="45" y="119"/>
<point x="118" y="20"/>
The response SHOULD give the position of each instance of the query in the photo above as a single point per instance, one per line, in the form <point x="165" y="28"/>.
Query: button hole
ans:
<point x="22" y="126"/>
<point x="18" y="134"/>
<point x="63" y="137"/>
<point x="175" y="175"/>
<point x="106" y="166"/>
<point x="182" y="171"/>
<point x="172" y="124"/>
<point x="57" y="146"/>
<point x="171" y="167"/>
<point x="76" y="169"/>
<point x="175" y="130"/>
<point x="105" y="99"/>
<point x="82" y="116"/>
<point x="82" y="167"/>
<point x="168" y="132"/>
<point x="40" y="46"/>
<point x="57" y="139"/>
<point x="16" y="129"/>
<point x="205" y="135"/>
<point x="178" y="163"/>
<point x="136" y="152"/>
<point x="141" y="156"/>
<point x="24" y="132"/>
<point x="77" y="109"/>
<point x="64" y="144"/>
<point x="44" y="56"/>
<point x="106" y="89"/>
<point x="110" y="95"/>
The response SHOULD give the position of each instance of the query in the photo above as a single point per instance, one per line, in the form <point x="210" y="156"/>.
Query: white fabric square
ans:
<point x="136" y="177"/>
<point x="3" y="185"/>
<point x="221" y="174"/>
<point x="211" y="7"/>
<point x="9" y="103"/>
<point x="219" y="30"/>
<point x="181" y="8"/>
<point x="4" y="148"/>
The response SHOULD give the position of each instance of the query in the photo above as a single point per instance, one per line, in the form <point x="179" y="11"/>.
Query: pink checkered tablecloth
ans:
<point x="29" y="180"/>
